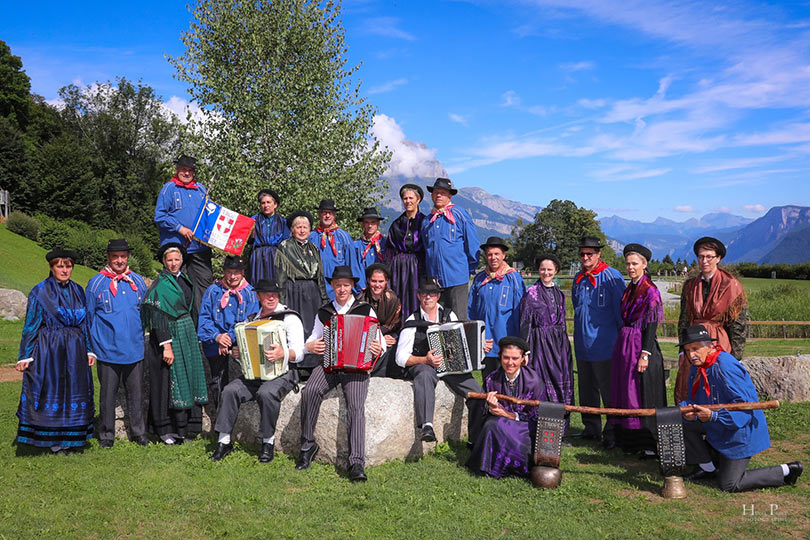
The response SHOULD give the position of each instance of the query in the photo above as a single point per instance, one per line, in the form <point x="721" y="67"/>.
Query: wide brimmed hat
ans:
<point x="342" y="272"/>
<point x="118" y="244"/>
<point x="327" y="204"/>
<point x="513" y="340"/>
<point x="412" y="187"/>
<point x="443" y="183"/>
<point x="267" y="285"/>
<point x="718" y="245"/>
<point x="428" y="284"/>
<point x="270" y="192"/>
<point x="370" y="213"/>
<point x="233" y="262"/>
<point x="61" y="253"/>
<point x="186" y="161"/>
<point x="298" y="214"/>
<point x="638" y="248"/>
<point x="547" y="257"/>
<point x="495" y="241"/>
<point x="695" y="333"/>
<point x="165" y="247"/>
<point x="591" y="242"/>
<point x="378" y="267"/>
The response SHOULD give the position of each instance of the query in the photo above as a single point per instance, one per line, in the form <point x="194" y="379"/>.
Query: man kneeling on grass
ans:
<point x="722" y="442"/>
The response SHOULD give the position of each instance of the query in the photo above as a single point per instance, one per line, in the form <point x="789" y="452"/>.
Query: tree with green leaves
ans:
<point x="557" y="229"/>
<point x="279" y="108"/>
<point x="14" y="88"/>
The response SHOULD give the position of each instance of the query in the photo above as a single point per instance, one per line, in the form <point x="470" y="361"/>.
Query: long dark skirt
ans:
<point x="503" y="448"/>
<point x="551" y="360"/>
<point x="304" y="296"/>
<point x="163" y="420"/>
<point x="405" y="280"/>
<point x="56" y="404"/>
<point x="262" y="264"/>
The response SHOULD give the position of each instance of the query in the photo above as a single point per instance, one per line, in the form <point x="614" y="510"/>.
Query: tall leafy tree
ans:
<point x="14" y="88"/>
<point x="279" y="106"/>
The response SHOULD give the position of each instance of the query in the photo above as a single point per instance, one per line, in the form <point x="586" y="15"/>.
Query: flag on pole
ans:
<point x="220" y="228"/>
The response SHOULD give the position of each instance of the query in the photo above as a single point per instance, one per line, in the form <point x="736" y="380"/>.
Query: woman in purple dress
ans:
<point x="269" y="230"/>
<point x="542" y="324"/>
<point x="637" y="366"/>
<point x="504" y="445"/>
<point x="404" y="250"/>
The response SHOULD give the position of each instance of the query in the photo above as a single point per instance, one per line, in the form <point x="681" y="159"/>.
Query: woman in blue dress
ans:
<point x="270" y="229"/>
<point x="56" y="404"/>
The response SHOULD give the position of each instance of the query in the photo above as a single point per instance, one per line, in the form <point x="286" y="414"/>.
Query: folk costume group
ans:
<point x="415" y="277"/>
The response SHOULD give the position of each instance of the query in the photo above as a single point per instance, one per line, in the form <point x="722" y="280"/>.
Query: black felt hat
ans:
<point x="513" y="340"/>
<point x="592" y="242"/>
<point x="718" y="246"/>
<point x="547" y="257"/>
<point x="428" y="284"/>
<point x="638" y="248"/>
<point x="233" y="262"/>
<point x="370" y="213"/>
<point x="695" y="333"/>
<point x="118" y="244"/>
<point x="378" y="267"/>
<point x="342" y="272"/>
<point x="495" y="241"/>
<point x="443" y="183"/>
<point x="327" y="204"/>
<point x="412" y="187"/>
<point x="267" y="285"/>
<point x="270" y="192"/>
<point x="298" y="214"/>
<point x="165" y="247"/>
<point x="186" y="161"/>
<point x="61" y="253"/>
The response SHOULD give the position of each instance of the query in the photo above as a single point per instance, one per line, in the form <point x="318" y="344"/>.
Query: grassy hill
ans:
<point x="23" y="264"/>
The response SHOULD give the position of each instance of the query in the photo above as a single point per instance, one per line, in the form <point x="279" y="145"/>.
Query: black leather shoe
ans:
<point x="795" y="470"/>
<point x="305" y="457"/>
<point x="179" y="440"/>
<point x="222" y="451"/>
<point x="608" y="444"/>
<point x="267" y="454"/>
<point x="357" y="474"/>
<point x="140" y="439"/>
<point x="428" y="435"/>
<point x="105" y="443"/>
<point x="700" y="475"/>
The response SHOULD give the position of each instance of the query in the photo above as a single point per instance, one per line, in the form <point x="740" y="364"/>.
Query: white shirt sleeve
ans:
<point x="380" y="338"/>
<point x="317" y="330"/>
<point x="295" y="335"/>
<point x="405" y="344"/>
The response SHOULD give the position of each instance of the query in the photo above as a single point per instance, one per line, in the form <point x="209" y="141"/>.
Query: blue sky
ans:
<point x="640" y="108"/>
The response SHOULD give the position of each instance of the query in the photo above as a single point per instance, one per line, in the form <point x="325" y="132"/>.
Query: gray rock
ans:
<point x="12" y="305"/>
<point x="391" y="431"/>
<point x="780" y="377"/>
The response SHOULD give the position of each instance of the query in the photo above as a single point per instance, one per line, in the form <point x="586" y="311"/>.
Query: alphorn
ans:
<point x="744" y="406"/>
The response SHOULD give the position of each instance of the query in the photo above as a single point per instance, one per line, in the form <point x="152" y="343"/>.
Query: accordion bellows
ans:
<point x="346" y="339"/>
<point x="461" y="345"/>
<point x="255" y="337"/>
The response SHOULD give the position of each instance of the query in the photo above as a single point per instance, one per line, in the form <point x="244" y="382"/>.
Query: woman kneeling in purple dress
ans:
<point x="504" y="446"/>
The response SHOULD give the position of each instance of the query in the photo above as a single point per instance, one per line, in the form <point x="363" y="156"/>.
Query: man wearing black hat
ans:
<point x="368" y="249"/>
<point x="268" y="394"/>
<point x="225" y="303"/>
<point x="722" y="442"/>
<point x="451" y="246"/>
<point x="175" y="213"/>
<point x="495" y="299"/>
<point x="333" y="242"/>
<point x="420" y="362"/>
<point x="114" y="298"/>
<point x="596" y="295"/>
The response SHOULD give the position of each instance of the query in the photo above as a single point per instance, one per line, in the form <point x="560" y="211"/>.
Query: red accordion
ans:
<point x="346" y="339"/>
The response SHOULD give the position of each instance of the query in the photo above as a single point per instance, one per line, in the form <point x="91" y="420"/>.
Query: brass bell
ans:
<point x="674" y="488"/>
<point x="545" y="477"/>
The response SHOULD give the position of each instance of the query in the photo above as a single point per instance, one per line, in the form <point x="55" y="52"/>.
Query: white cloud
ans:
<point x="538" y="110"/>
<point x="387" y="86"/>
<point x="182" y="109"/>
<point x="741" y="163"/>
<point x="387" y="27"/>
<point x="510" y="99"/>
<point x="459" y="118"/>
<point x="723" y="209"/>
<point x="685" y="208"/>
<point x="409" y="159"/>
<point x="623" y="173"/>
<point x="577" y="66"/>
<point x="754" y="208"/>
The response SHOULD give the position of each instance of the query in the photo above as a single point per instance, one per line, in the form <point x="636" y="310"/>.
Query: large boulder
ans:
<point x="12" y="305"/>
<point x="780" y="377"/>
<point x="391" y="431"/>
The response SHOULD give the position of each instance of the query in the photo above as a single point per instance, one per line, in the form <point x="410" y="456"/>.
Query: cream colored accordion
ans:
<point x="461" y="345"/>
<point x="255" y="337"/>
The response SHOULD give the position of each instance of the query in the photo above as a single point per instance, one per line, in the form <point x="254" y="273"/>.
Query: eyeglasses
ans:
<point x="585" y="254"/>
<point x="706" y="257"/>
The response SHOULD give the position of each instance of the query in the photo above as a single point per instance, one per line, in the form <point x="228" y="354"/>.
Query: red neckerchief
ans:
<point x="190" y="185"/>
<point x="374" y="241"/>
<point x="115" y="278"/>
<point x="701" y="372"/>
<point x="502" y="271"/>
<point x="601" y="265"/>
<point x="443" y="212"/>
<point x="237" y="292"/>
<point x="328" y="233"/>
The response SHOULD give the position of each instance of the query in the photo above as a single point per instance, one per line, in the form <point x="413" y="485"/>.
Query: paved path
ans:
<point x="667" y="297"/>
